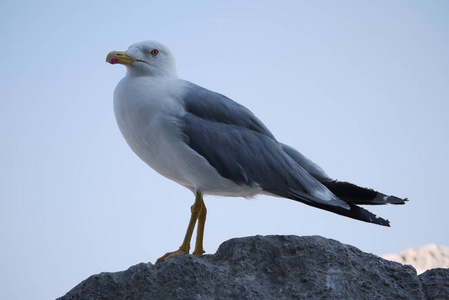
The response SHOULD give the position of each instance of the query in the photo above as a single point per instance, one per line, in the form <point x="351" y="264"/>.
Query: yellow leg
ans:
<point x="200" y="230"/>
<point x="197" y="213"/>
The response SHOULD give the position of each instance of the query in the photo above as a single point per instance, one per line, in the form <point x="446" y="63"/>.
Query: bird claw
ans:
<point x="198" y="253"/>
<point x="169" y="255"/>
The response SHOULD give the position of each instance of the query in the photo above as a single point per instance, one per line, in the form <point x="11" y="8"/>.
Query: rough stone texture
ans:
<point x="436" y="283"/>
<point x="427" y="257"/>
<point x="270" y="267"/>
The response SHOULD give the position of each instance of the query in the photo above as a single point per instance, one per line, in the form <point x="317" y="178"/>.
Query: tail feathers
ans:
<point x="354" y="194"/>
<point x="383" y="199"/>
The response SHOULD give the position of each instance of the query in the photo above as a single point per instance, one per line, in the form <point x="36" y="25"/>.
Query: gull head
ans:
<point x="148" y="58"/>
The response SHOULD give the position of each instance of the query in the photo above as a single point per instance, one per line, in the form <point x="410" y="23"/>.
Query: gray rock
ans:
<point x="436" y="283"/>
<point x="269" y="267"/>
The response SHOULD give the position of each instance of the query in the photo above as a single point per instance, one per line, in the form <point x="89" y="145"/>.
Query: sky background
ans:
<point x="360" y="87"/>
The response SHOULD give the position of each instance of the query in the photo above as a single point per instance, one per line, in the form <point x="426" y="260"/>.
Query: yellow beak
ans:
<point x="119" y="57"/>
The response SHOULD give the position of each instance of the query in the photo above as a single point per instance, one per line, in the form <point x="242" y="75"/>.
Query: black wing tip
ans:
<point x="367" y="216"/>
<point x="354" y="211"/>
<point x="384" y="222"/>
<point x="397" y="200"/>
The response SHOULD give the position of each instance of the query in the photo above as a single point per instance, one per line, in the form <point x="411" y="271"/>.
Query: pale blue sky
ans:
<point x="360" y="87"/>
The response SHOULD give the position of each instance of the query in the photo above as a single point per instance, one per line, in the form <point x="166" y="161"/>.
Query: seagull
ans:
<point x="212" y="145"/>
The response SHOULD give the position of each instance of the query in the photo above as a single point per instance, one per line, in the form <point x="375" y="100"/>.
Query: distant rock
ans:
<point x="270" y="267"/>
<point x="427" y="257"/>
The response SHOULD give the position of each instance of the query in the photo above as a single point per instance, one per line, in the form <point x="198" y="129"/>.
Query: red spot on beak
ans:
<point x="113" y="61"/>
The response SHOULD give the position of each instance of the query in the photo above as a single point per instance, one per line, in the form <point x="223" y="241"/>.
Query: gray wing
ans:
<point x="217" y="108"/>
<point x="308" y="165"/>
<point x="240" y="147"/>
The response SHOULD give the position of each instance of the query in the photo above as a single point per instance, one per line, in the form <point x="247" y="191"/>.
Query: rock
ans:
<point x="424" y="258"/>
<point x="436" y="283"/>
<point x="269" y="267"/>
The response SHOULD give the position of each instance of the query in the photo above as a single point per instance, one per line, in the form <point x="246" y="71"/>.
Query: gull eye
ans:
<point x="154" y="52"/>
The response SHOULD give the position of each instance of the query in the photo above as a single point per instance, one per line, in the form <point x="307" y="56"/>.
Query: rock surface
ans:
<point x="270" y="267"/>
<point x="427" y="257"/>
